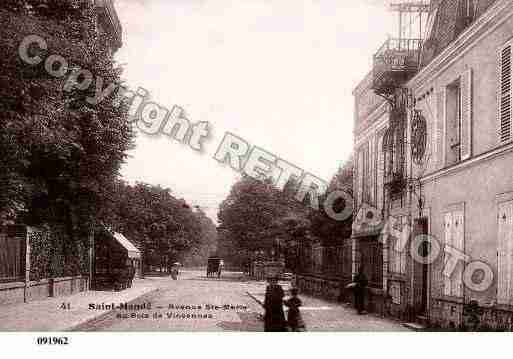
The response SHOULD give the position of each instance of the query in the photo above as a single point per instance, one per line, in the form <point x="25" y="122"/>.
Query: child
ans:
<point x="294" y="319"/>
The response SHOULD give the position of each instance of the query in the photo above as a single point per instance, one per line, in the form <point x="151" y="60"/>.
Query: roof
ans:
<point x="132" y="250"/>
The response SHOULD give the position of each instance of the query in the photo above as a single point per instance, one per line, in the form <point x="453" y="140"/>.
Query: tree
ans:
<point x="62" y="153"/>
<point x="198" y="254"/>
<point x="329" y="230"/>
<point x="256" y="216"/>
<point x="165" y="228"/>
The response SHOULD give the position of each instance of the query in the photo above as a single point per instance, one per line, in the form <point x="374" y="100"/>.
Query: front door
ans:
<point x="371" y="260"/>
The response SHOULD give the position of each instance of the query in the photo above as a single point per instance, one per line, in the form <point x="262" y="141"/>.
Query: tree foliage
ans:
<point x="331" y="231"/>
<point x="258" y="217"/>
<point x="62" y="154"/>
<point x="207" y="246"/>
<point x="165" y="228"/>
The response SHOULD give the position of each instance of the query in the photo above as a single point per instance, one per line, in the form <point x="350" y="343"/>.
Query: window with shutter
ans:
<point x="505" y="253"/>
<point x="448" y="242"/>
<point x="505" y="94"/>
<point x="396" y="252"/>
<point x="454" y="232"/>
<point x="466" y="115"/>
<point x="453" y="122"/>
<point x="458" y="244"/>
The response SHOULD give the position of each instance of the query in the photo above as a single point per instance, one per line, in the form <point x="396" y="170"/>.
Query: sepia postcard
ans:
<point x="255" y="166"/>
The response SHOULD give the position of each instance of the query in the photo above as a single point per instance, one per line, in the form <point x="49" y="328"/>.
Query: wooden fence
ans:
<point x="12" y="255"/>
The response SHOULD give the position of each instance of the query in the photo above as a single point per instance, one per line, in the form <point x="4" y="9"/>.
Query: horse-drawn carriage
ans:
<point x="214" y="267"/>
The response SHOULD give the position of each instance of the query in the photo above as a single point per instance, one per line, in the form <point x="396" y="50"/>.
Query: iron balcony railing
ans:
<point x="400" y="45"/>
<point x="395" y="62"/>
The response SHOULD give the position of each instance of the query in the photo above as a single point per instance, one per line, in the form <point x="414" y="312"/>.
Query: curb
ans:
<point x="101" y="316"/>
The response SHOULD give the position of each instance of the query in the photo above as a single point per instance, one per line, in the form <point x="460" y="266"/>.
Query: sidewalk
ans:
<point x="321" y="315"/>
<point x="48" y="314"/>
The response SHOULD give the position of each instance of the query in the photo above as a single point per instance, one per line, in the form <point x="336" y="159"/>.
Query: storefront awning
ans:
<point x="132" y="251"/>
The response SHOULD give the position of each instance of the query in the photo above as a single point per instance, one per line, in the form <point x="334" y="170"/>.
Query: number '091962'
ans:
<point x="52" y="341"/>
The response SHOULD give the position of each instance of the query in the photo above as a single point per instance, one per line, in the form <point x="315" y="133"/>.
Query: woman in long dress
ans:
<point x="274" y="318"/>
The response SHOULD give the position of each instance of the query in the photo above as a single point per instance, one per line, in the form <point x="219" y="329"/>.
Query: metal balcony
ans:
<point x="108" y="18"/>
<point x="395" y="63"/>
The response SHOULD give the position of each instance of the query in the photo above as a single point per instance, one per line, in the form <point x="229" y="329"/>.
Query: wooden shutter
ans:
<point x="505" y="253"/>
<point x="466" y="115"/>
<point x="458" y="243"/>
<point x="440" y="126"/>
<point x="505" y="94"/>
<point x="448" y="242"/>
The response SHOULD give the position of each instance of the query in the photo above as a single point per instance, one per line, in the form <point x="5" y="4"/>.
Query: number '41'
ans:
<point x="65" y="306"/>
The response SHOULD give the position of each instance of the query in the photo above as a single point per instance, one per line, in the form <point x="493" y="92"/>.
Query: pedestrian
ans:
<point x="274" y="317"/>
<point x="131" y="274"/>
<point x="127" y="275"/>
<point x="220" y="268"/>
<point x="360" y="288"/>
<point x="174" y="273"/>
<point x="294" y="318"/>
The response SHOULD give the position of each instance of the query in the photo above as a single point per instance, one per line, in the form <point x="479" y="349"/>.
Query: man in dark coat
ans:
<point x="359" y="291"/>
<point x="274" y="318"/>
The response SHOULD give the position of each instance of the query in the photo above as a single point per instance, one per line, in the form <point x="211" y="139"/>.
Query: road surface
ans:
<point x="197" y="303"/>
<point x="191" y="303"/>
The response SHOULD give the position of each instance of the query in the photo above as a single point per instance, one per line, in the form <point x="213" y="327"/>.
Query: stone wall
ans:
<point x="11" y="293"/>
<point x="453" y="315"/>
<point x="325" y="288"/>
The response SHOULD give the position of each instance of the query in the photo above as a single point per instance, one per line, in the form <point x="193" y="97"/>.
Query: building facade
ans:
<point x="108" y="23"/>
<point x="433" y="158"/>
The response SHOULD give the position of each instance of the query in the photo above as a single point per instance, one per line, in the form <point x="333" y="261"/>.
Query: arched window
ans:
<point x="393" y="150"/>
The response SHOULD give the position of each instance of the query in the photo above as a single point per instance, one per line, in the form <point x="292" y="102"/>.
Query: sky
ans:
<point x="279" y="74"/>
